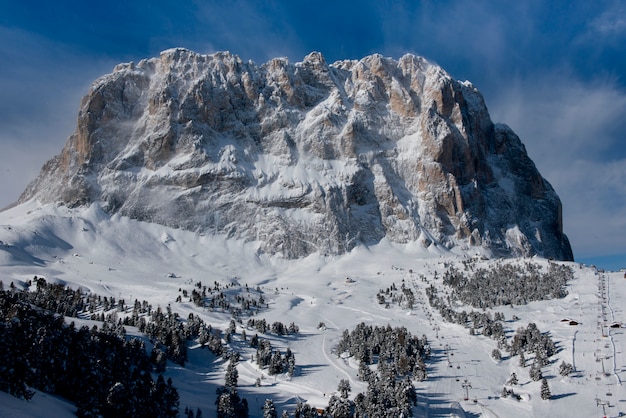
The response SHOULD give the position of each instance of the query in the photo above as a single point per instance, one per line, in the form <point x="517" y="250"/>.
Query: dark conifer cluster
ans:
<point x="386" y="397"/>
<point x="393" y="349"/>
<point x="478" y="322"/>
<point x="230" y="404"/>
<point x="405" y="298"/>
<point x="506" y="283"/>
<point x="231" y="298"/>
<point x="274" y="360"/>
<point x="103" y="372"/>
<point x="277" y="327"/>
<point x="531" y="340"/>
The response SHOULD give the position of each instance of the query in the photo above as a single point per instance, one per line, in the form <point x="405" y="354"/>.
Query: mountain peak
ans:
<point x="305" y="157"/>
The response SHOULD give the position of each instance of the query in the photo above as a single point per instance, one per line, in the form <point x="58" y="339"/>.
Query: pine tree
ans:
<point x="159" y="359"/>
<point x="231" y="374"/>
<point x="269" y="410"/>
<point x="545" y="390"/>
<point x="364" y="371"/>
<point x="513" y="379"/>
<point x="225" y="407"/>
<point x="171" y="400"/>
<point x="344" y="388"/>
<point x="304" y="410"/>
<point x="339" y="407"/>
<point x="565" y="369"/>
<point x="276" y="364"/>
<point x="535" y="373"/>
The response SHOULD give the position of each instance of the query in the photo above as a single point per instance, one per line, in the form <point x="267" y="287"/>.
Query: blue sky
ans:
<point x="554" y="71"/>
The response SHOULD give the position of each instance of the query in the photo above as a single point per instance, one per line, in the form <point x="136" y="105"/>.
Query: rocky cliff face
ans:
<point x="305" y="157"/>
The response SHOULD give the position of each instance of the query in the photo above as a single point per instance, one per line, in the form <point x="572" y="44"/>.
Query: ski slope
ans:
<point x="132" y="260"/>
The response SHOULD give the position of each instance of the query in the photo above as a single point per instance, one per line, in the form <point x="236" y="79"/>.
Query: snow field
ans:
<point x="132" y="260"/>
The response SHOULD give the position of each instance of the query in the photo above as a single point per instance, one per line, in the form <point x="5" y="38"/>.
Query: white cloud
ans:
<point x="556" y="113"/>
<point x="611" y="22"/>
<point x="594" y="201"/>
<point x="40" y="90"/>
<point x="253" y="30"/>
<point x="19" y="165"/>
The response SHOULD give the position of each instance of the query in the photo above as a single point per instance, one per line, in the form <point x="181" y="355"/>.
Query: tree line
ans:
<point x="101" y="371"/>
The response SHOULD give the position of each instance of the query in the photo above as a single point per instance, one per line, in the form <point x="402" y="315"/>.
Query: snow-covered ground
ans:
<point x="131" y="260"/>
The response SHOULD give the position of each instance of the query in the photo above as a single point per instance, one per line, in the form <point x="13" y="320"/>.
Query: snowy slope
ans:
<point x="119" y="257"/>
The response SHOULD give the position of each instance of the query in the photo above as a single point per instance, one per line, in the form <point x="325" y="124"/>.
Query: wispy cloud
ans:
<point x="594" y="199"/>
<point x="611" y="22"/>
<point x="41" y="83"/>
<point x="557" y="114"/>
<point x="253" y="30"/>
<point x="573" y="130"/>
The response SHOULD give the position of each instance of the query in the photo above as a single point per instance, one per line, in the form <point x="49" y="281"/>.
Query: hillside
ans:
<point x="120" y="258"/>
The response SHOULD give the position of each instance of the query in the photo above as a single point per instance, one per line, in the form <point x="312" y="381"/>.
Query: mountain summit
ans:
<point x="305" y="157"/>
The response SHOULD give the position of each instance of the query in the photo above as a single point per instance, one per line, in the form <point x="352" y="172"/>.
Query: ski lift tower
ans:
<point x="604" y="404"/>
<point x="600" y="359"/>
<point x="467" y="386"/>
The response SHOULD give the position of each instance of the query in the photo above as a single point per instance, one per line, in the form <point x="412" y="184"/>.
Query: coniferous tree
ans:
<point x="535" y="373"/>
<point x="545" y="390"/>
<point x="231" y="374"/>
<point x="159" y="359"/>
<point x="339" y="407"/>
<point x="172" y="399"/>
<point x="344" y="388"/>
<point x="565" y="369"/>
<point x="304" y="410"/>
<point x="269" y="410"/>
<point x="230" y="405"/>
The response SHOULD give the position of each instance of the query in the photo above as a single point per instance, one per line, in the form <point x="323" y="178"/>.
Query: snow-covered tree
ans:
<point x="565" y="368"/>
<point x="535" y="373"/>
<point x="269" y="410"/>
<point x="231" y="374"/>
<point x="230" y="405"/>
<point x="344" y="388"/>
<point x="545" y="390"/>
<point x="339" y="407"/>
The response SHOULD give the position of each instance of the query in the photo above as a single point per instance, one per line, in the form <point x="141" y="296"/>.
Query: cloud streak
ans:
<point x="573" y="130"/>
<point x="38" y="107"/>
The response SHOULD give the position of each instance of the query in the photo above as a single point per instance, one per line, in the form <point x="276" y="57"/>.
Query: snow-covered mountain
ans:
<point x="305" y="157"/>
